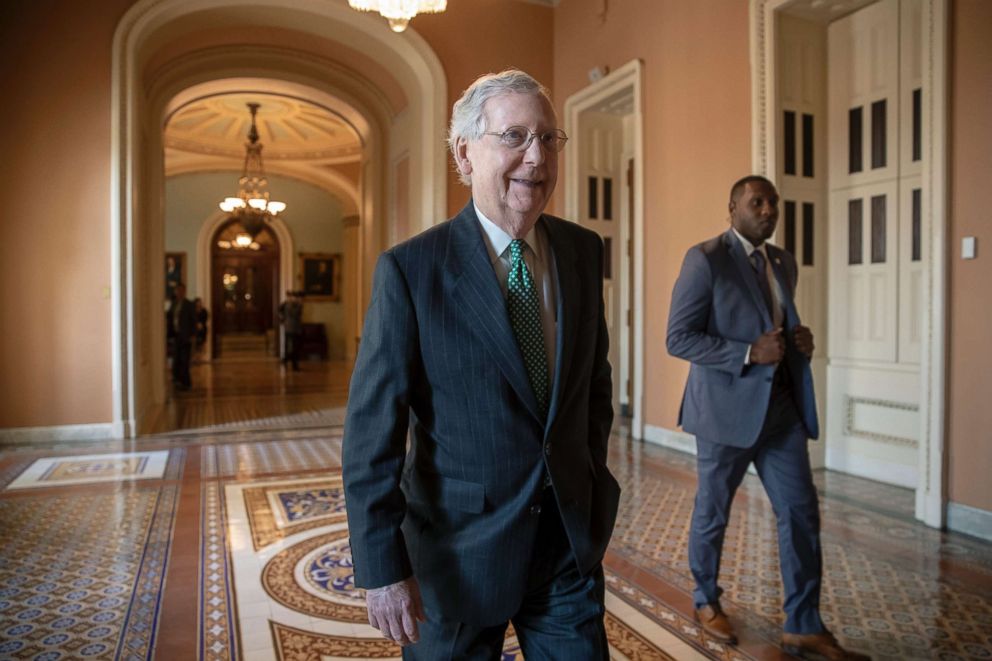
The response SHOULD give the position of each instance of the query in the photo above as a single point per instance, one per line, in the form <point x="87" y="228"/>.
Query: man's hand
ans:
<point x="804" y="340"/>
<point x="770" y="348"/>
<point x="394" y="610"/>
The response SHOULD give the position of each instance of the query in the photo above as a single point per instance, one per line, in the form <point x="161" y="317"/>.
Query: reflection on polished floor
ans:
<point x="229" y="541"/>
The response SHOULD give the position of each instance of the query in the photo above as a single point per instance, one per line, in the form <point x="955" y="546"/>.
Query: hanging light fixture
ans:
<point x="399" y="12"/>
<point x="252" y="207"/>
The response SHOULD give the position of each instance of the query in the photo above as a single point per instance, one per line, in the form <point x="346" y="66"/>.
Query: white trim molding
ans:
<point x="969" y="520"/>
<point x="630" y="76"/>
<point x="670" y="438"/>
<point x="931" y="500"/>
<point x="99" y="431"/>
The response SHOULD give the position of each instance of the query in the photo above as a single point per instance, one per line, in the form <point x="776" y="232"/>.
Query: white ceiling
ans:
<point x="289" y="129"/>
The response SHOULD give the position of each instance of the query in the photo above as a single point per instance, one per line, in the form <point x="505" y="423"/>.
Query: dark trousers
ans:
<point x="781" y="458"/>
<point x="180" y="363"/>
<point x="561" y="616"/>
<point x="294" y="342"/>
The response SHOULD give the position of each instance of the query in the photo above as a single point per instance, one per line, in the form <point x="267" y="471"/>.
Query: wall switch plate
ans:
<point x="968" y="247"/>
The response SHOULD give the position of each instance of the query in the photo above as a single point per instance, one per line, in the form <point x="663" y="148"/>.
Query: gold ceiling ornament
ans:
<point x="399" y="12"/>
<point x="252" y="207"/>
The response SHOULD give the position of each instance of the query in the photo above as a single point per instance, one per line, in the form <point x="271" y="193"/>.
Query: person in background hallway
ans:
<point x="201" y="323"/>
<point x="182" y="326"/>
<point x="486" y="337"/>
<point x="749" y="398"/>
<point x="291" y="316"/>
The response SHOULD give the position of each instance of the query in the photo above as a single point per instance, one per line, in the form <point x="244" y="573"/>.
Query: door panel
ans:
<point x="601" y="172"/>
<point x="243" y="290"/>
<point x="875" y="264"/>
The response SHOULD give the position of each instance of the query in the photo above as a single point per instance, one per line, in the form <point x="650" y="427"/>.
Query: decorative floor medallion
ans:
<point x="294" y="582"/>
<point x="275" y="511"/>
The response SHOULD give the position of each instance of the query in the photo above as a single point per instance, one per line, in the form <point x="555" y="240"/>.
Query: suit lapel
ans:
<point x="791" y="314"/>
<point x="739" y="256"/>
<point x="568" y="308"/>
<point x="476" y="290"/>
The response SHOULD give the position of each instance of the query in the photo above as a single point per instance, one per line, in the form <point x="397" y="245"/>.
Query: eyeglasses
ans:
<point x="519" y="138"/>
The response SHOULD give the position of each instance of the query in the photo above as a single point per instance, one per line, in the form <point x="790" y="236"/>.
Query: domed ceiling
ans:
<point x="289" y="129"/>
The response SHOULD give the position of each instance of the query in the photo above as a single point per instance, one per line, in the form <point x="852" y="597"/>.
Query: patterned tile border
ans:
<point x="672" y="620"/>
<point x="218" y="635"/>
<point x="273" y="456"/>
<point x="141" y="626"/>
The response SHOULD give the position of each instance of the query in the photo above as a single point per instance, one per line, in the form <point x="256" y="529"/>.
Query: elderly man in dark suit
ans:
<point x="486" y="337"/>
<point x="749" y="398"/>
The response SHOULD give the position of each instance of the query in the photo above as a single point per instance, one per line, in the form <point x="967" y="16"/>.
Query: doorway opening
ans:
<point x="849" y="118"/>
<point x="603" y="192"/>
<point x="245" y="287"/>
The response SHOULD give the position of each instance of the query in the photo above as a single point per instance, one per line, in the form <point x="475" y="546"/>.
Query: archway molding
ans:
<point x="140" y="102"/>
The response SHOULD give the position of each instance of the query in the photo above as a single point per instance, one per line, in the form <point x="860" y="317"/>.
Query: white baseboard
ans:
<point x="92" y="432"/>
<point x="872" y="469"/>
<point x="969" y="520"/>
<point x="670" y="438"/>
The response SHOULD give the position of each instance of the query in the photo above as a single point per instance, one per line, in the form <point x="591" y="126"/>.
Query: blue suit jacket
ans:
<point x="438" y="355"/>
<point x="717" y="312"/>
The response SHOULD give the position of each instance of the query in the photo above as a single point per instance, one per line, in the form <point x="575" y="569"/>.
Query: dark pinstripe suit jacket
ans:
<point x="438" y="355"/>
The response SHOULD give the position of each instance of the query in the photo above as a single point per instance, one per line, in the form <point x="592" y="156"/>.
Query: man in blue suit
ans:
<point x="486" y="339"/>
<point x="749" y="398"/>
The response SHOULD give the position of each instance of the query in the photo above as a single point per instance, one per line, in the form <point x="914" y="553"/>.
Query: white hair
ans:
<point x="468" y="116"/>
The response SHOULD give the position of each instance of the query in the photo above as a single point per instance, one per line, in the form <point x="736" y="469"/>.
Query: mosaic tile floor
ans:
<point x="232" y="544"/>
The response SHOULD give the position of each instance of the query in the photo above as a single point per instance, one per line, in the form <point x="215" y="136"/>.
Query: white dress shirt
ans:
<point x="541" y="263"/>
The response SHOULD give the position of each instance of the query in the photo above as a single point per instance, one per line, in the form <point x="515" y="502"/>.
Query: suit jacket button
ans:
<point x="535" y="509"/>
<point x="547" y="449"/>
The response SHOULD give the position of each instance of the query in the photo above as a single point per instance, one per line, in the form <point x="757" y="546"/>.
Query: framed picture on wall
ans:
<point x="321" y="276"/>
<point x="175" y="272"/>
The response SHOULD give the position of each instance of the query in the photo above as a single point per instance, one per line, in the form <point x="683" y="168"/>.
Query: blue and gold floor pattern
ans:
<point x="235" y="546"/>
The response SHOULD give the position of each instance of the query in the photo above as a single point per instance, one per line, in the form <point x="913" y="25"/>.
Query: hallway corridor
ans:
<point x="231" y="542"/>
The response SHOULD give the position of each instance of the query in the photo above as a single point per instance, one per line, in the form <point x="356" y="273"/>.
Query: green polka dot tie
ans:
<point x="525" y="318"/>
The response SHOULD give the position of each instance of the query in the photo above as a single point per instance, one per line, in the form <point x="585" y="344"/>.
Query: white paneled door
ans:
<point x="874" y="236"/>
<point x="603" y="210"/>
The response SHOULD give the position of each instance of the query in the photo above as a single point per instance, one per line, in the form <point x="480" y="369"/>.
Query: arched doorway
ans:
<point x="160" y="53"/>
<point x="244" y="284"/>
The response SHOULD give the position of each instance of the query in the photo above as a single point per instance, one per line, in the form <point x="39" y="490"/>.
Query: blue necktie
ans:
<point x="524" y="307"/>
<point x="761" y="273"/>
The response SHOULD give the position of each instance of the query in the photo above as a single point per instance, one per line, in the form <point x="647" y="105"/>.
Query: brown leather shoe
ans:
<point x="714" y="622"/>
<point x="819" y="646"/>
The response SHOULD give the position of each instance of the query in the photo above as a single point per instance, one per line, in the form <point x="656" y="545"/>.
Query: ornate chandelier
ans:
<point x="252" y="207"/>
<point x="399" y="12"/>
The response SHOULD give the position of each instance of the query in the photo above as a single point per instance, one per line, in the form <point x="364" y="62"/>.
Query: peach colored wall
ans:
<point x="969" y="417"/>
<point x="480" y="36"/>
<point x="697" y="136"/>
<point x="55" y="230"/>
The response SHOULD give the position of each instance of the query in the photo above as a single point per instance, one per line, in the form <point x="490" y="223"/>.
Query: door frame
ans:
<point x="630" y="75"/>
<point x="204" y="252"/>
<point x="139" y="101"/>
<point x="931" y="499"/>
